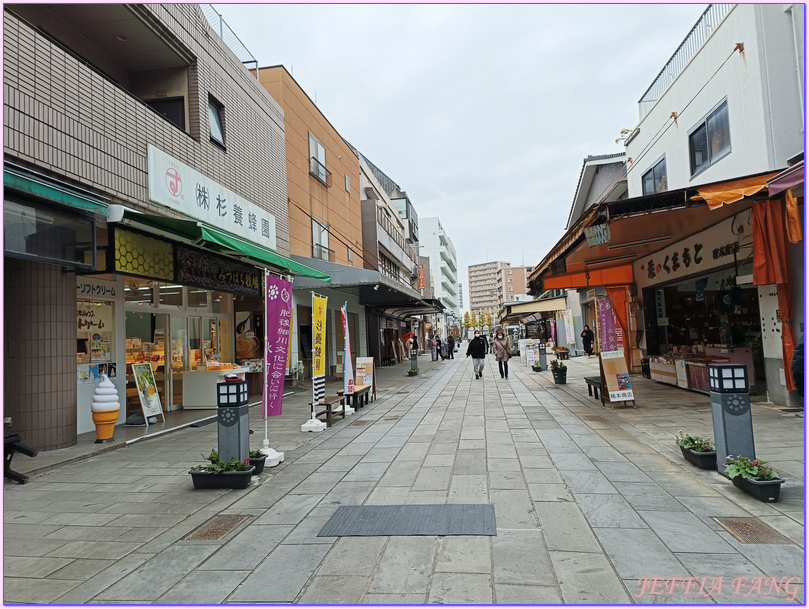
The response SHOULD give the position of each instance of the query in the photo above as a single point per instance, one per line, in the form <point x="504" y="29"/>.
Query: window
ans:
<point x="710" y="140"/>
<point x="350" y="254"/>
<point x="320" y="241"/>
<point x="173" y="110"/>
<point x="348" y="183"/>
<point x="510" y="289"/>
<point x="654" y="180"/>
<point x="509" y="272"/>
<point x="317" y="161"/>
<point x="215" y="111"/>
<point x="511" y="281"/>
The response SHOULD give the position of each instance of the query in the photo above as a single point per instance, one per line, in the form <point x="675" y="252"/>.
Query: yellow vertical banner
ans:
<point x="318" y="348"/>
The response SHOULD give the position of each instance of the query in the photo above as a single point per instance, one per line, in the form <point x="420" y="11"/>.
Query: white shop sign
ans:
<point x="176" y="185"/>
<point x="90" y="288"/>
<point x="711" y="249"/>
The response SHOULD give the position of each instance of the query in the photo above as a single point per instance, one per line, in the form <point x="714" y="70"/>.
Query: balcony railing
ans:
<point x="394" y="234"/>
<point x="321" y="252"/>
<point x="219" y="26"/>
<point x="318" y="170"/>
<point x="693" y="42"/>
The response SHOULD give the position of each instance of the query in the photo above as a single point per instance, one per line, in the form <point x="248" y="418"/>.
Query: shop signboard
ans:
<point x="176" y="185"/>
<point x="318" y="348"/>
<point x="616" y="376"/>
<point x="90" y="287"/>
<point x="277" y="328"/>
<point x="202" y="269"/>
<point x="711" y="249"/>
<point x="365" y="373"/>
<point x="570" y="329"/>
<point x="91" y="316"/>
<point x="147" y="391"/>
<point x="606" y="323"/>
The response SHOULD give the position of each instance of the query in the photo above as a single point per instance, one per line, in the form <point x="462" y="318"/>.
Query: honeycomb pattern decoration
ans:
<point x="141" y="255"/>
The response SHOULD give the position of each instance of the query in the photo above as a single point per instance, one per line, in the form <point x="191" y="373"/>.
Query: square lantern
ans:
<point x="728" y="378"/>
<point x="231" y="394"/>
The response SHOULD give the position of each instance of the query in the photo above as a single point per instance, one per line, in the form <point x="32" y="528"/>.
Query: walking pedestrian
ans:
<point x="587" y="337"/>
<point x="451" y="346"/>
<point x="797" y="367"/>
<point x="477" y="349"/>
<point x="501" y="354"/>
<point x="485" y="341"/>
<point x="438" y="344"/>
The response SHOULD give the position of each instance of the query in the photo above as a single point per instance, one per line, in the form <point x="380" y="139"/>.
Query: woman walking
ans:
<point x="587" y="337"/>
<point x="501" y="354"/>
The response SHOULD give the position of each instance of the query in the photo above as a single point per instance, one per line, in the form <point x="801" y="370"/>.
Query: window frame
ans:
<point x="316" y="147"/>
<point x="703" y="125"/>
<point x="348" y="183"/>
<point x="216" y="109"/>
<point x="324" y="248"/>
<point x="651" y="170"/>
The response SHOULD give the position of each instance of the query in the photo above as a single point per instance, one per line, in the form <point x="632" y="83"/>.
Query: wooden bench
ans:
<point x="329" y="401"/>
<point x="594" y="383"/>
<point x="12" y="444"/>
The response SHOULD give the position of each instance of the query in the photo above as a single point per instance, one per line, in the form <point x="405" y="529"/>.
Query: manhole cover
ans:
<point x="360" y="422"/>
<point x="752" y="530"/>
<point x="216" y="528"/>
<point x="593" y="417"/>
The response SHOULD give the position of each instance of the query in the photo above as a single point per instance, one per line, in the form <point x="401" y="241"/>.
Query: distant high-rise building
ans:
<point x="491" y="284"/>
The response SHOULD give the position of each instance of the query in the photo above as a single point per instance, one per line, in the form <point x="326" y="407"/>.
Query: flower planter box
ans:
<point x="412" y="373"/>
<point x="563" y="354"/>
<point x="536" y="368"/>
<point x="559" y="376"/>
<point x="703" y="460"/>
<point x="763" y="490"/>
<point x="205" y="480"/>
<point x="258" y="464"/>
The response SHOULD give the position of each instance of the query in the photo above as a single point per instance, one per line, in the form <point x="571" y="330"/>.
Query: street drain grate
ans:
<point x="593" y="417"/>
<point x="216" y="528"/>
<point x="361" y="422"/>
<point x="753" y="530"/>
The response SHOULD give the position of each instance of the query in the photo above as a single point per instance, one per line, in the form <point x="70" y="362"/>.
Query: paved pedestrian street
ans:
<point x="592" y="505"/>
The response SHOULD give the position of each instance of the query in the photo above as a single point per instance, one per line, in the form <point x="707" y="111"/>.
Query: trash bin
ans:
<point x="233" y="418"/>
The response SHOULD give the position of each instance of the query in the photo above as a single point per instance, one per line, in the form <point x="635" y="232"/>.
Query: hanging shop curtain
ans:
<point x="771" y="264"/>
<point x="794" y="224"/>
<point x="618" y="296"/>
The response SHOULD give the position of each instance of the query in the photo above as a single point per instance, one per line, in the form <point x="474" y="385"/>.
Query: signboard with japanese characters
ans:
<point x="616" y="375"/>
<point x="95" y="289"/>
<point x="204" y="270"/>
<point x="278" y="327"/>
<point x="713" y="248"/>
<point x="183" y="189"/>
<point x="91" y="316"/>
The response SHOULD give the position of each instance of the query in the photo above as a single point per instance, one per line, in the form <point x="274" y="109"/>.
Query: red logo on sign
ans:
<point x="174" y="182"/>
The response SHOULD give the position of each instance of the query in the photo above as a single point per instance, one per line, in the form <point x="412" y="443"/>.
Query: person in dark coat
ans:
<point x="451" y="346"/>
<point x="587" y="338"/>
<point x="438" y="344"/>
<point x="797" y="367"/>
<point x="477" y="349"/>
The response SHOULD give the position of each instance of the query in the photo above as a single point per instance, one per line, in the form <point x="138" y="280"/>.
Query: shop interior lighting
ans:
<point x="620" y="246"/>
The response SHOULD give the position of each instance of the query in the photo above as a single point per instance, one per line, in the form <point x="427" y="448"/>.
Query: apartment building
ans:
<point x="144" y="159"/>
<point x="437" y="245"/>
<point x="487" y="286"/>
<point x="513" y="282"/>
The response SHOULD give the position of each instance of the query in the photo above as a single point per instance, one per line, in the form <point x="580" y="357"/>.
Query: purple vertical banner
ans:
<point x="606" y="323"/>
<point x="277" y="325"/>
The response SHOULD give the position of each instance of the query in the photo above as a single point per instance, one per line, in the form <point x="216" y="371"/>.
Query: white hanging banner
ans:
<point x="348" y="370"/>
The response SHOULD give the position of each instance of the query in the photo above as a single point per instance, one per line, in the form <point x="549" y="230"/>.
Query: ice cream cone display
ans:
<point x="105" y="409"/>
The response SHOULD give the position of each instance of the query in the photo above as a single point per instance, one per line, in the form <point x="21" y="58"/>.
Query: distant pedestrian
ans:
<point x="438" y="345"/>
<point x="451" y="346"/>
<point x="485" y="342"/>
<point x="587" y="337"/>
<point x="477" y="349"/>
<point x="502" y="354"/>
<point x="797" y="367"/>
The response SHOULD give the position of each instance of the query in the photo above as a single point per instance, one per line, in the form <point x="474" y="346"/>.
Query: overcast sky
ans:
<point x="482" y="113"/>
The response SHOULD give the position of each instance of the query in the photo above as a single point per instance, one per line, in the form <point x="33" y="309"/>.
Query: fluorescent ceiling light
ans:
<point x="619" y="246"/>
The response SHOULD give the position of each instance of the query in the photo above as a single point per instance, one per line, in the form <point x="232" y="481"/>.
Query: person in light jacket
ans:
<point x="477" y="349"/>
<point x="501" y="353"/>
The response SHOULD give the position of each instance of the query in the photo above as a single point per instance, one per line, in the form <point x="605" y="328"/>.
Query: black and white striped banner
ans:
<point x="318" y="390"/>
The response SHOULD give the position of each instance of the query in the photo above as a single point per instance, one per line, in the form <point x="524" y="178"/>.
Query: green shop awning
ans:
<point x="202" y="233"/>
<point x="23" y="180"/>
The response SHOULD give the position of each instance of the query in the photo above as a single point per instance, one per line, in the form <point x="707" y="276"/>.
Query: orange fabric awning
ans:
<point x="614" y="275"/>
<point x="717" y="195"/>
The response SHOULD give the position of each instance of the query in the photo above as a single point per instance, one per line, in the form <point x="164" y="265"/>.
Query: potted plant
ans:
<point x="697" y="450"/>
<point x="412" y="372"/>
<point x="213" y="456"/>
<point x="232" y="474"/>
<point x="559" y="371"/>
<point x="561" y="352"/>
<point x="754" y="477"/>
<point x="536" y="367"/>
<point x="257" y="459"/>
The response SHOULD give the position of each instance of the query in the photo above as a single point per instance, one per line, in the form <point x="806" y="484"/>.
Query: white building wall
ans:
<point x="761" y="88"/>
<point x="431" y="246"/>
